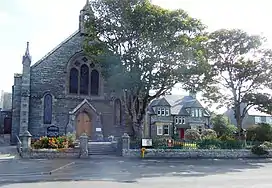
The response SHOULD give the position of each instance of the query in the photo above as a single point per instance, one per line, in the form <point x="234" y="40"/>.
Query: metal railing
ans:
<point x="19" y="145"/>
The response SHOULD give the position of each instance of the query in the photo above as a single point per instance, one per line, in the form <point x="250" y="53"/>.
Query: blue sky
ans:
<point x="45" y="23"/>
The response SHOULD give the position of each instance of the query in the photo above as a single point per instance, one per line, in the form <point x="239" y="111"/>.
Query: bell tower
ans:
<point x="85" y="14"/>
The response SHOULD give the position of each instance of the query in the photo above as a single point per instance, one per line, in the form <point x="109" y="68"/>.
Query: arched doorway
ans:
<point x="83" y="124"/>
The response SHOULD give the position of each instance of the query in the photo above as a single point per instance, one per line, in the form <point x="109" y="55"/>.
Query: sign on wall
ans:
<point x="52" y="131"/>
<point x="146" y="142"/>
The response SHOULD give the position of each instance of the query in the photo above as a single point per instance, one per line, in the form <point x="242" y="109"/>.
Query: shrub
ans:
<point x="268" y="144"/>
<point x="221" y="126"/>
<point x="136" y="143"/>
<point x="208" y="134"/>
<point x="209" y="144"/>
<point x="53" y="143"/>
<point x="192" y="135"/>
<point x="226" y="138"/>
<point x="158" y="142"/>
<point x="259" y="150"/>
<point x="261" y="133"/>
<point x="219" y="144"/>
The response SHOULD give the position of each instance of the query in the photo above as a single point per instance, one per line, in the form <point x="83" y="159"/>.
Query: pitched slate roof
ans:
<point x="178" y="104"/>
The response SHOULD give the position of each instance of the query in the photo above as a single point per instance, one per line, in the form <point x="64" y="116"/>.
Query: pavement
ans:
<point x="120" y="172"/>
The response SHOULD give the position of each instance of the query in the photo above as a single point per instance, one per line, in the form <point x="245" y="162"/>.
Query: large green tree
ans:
<point x="241" y="69"/>
<point x="153" y="49"/>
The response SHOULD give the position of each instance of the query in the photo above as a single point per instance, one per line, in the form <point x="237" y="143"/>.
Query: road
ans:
<point x="119" y="172"/>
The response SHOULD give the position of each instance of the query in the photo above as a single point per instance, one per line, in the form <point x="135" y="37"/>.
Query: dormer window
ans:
<point x="196" y="113"/>
<point x="163" y="111"/>
<point x="159" y="112"/>
<point x="179" y="120"/>
<point x="167" y="112"/>
<point x="176" y="120"/>
<point x="193" y="112"/>
<point x="183" y="120"/>
<point x="200" y="112"/>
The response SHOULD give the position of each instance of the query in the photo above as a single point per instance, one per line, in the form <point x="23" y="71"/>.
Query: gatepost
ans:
<point x="26" y="140"/>
<point x="83" y="145"/>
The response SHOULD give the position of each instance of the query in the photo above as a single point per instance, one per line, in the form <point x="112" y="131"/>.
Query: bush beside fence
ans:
<point x="200" y="144"/>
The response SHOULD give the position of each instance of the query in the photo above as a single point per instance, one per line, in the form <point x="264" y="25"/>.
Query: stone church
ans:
<point x="67" y="90"/>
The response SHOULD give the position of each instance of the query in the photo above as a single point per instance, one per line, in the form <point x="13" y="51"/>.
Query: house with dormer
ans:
<point x="173" y="114"/>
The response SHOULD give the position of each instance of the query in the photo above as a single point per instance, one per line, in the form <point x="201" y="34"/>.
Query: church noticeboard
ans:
<point x="52" y="131"/>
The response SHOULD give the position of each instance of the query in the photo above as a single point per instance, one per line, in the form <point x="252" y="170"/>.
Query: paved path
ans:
<point x="118" y="172"/>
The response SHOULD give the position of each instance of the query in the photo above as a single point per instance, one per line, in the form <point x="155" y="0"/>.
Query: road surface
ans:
<point x="119" y="172"/>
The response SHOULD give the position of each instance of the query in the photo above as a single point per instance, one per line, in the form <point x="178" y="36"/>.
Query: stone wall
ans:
<point x="193" y="154"/>
<point x="50" y="153"/>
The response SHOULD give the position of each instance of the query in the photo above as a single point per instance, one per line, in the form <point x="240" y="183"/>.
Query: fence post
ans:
<point x="83" y="145"/>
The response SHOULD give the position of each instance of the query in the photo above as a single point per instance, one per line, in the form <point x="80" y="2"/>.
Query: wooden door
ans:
<point x="84" y="124"/>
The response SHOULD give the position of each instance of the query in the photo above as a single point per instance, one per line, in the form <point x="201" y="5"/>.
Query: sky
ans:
<point x="46" y="23"/>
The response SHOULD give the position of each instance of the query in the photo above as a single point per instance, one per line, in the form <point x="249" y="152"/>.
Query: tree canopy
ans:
<point x="241" y="70"/>
<point x="147" y="48"/>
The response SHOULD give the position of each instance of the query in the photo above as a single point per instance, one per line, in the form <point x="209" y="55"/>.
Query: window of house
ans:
<point x="200" y="112"/>
<point x="167" y="112"/>
<point x="258" y="119"/>
<point x="166" y="130"/>
<point x="159" y="112"/>
<point x="196" y="113"/>
<point x="163" y="111"/>
<point x="180" y="120"/>
<point x="159" y="130"/>
<point x="176" y="120"/>
<point x="200" y="129"/>
<point x="269" y="120"/>
<point x="47" y="111"/>
<point x="193" y="113"/>
<point x="183" y="120"/>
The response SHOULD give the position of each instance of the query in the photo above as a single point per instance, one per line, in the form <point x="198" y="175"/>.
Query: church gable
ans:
<point x="50" y="72"/>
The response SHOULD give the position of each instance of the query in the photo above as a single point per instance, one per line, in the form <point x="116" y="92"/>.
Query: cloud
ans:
<point x="4" y="18"/>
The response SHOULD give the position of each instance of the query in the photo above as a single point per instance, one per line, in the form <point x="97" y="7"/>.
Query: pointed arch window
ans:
<point x="47" y="111"/>
<point x="117" y="111"/>
<point x="73" y="88"/>
<point x="94" y="82"/>
<point x="84" y="79"/>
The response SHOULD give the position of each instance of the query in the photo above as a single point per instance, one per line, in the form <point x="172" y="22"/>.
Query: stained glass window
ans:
<point x="73" y="81"/>
<point x="94" y="82"/>
<point x="47" y="116"/>
<point x="84" y="79"/>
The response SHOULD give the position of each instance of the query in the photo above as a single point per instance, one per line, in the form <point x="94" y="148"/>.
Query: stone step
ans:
<point x="101" y="148"/>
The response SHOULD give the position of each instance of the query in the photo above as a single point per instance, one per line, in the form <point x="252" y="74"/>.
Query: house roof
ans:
<point x="254" y="112"/>
<point x="178" y="104"/>
<point x="251" y="112"/>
